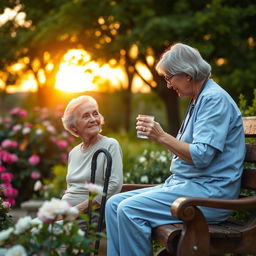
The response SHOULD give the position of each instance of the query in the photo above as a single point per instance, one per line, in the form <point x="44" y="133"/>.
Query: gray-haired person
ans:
<point x="83" y="119"/>
<point x="208" y="155"/>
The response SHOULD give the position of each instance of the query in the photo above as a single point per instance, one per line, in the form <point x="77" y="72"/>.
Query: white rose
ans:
<point x="142" y="159"/>
<point x="94" y="188"/>
<point x="16" y="250"/>
<point x="38" y="185"/>
<point x="22" y="225"/>
<point x="5" y="235"/>
<point x="144" y="179"/>
<point x="26" y="130"/>
<point x="39" y="131"/>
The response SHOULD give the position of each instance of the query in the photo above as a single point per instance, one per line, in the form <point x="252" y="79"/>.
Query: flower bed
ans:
<point x="30" y="145"/>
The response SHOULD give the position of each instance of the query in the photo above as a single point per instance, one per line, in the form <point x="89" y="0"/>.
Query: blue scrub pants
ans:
<point x="130" y="217"/>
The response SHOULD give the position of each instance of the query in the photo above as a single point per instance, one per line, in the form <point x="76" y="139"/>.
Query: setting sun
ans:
<point x="77" y="73"/>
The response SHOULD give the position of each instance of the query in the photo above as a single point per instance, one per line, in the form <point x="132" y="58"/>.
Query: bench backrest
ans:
<point x="249" y="174"/>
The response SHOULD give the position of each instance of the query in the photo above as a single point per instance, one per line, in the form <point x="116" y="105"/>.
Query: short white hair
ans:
<point x="69" y="118"/>
<point x="183" y="59"/>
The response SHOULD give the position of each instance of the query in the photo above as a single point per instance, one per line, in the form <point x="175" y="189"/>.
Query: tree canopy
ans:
<point x="138" y="31"/>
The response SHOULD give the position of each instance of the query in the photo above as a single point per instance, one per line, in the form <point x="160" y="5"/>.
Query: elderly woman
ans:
<point x="208" y="153"/>
<point x="83" y="119"/>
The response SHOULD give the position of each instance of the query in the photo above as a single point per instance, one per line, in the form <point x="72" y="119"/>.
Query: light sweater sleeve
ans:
<point x="116" y="177"/>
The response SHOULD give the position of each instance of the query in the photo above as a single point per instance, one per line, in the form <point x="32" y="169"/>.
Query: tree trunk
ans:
<point x="170" y="100"/>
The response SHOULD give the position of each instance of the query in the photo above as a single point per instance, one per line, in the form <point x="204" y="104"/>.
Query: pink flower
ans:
<point x="18" y="111"/>
<point x="2" y="168"/>
<point x="35" y="175"/>
<point x="28" y="125"/>
<point x="53" y="139"/>
<point x="63" y="157"/>
<point x="16" y="127"/>
<point x="10" y="192"/>
<point x="23" y="113"/>
<point x="9" y="143"/>
<point x="15" y="111"/>
<point x="6" y="204"/>
<point x="62" y="144"/>
<point x="34" y="159"/>
<point x="6" y="176"/>
<point x="10" y="200"/>
<point x="8" y="158"/>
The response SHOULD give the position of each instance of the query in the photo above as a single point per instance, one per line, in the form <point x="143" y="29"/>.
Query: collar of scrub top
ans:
<point x="189" y="112"/>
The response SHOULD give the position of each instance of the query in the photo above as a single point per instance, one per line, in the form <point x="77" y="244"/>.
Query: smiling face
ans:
<point x="180" y="83"/>
<point x="88" y="123"/>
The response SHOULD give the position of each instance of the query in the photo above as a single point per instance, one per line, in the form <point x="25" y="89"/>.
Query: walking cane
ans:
<point x="105" y="189"/>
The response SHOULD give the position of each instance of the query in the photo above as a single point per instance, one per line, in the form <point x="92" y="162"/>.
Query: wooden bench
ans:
<point x="194" y="237"/>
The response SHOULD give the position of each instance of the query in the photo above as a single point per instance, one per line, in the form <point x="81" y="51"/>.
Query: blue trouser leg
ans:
<point x="130" y="217"/>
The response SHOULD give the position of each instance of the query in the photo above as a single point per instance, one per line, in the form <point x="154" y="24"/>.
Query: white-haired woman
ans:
<point x="83" y="119"/>
<point x="208" y="155"/>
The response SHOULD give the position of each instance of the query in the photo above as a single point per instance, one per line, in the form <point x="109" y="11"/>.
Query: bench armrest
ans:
<point x="182" y="207"/>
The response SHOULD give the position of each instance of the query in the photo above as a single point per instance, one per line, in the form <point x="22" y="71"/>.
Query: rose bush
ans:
<point x="46" y="236"/>
<point x="30" y="145"/>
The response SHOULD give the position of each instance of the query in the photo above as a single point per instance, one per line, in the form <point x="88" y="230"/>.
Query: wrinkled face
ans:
<point x="180" y="83"/>
<point x="88" y="122"/>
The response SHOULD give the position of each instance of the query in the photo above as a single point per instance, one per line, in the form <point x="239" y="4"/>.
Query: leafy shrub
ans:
<point x="30" y="145"/>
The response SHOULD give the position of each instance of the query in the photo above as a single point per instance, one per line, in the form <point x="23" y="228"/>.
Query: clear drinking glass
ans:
<point x="143" y="136"/>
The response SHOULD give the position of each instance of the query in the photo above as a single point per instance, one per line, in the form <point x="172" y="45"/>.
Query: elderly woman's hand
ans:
<point x="148" y="127"/>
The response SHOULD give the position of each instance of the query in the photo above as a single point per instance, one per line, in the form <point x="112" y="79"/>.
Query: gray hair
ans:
<point x="69" y="118"/>
<point x="181" y="58"/>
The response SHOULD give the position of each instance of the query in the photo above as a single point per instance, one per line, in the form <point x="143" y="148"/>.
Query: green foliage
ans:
<point x="55" y="186"/>
<point x="246" y="109"/>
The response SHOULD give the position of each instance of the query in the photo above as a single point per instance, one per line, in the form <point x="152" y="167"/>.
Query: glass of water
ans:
<point x="140" y="135"/>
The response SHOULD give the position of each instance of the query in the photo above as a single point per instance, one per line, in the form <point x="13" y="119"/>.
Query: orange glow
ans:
<point x="78" y="74"/>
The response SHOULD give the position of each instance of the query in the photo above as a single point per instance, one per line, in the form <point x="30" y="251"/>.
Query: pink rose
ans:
<point x="10" y="200"/>
<point x="34" y="160"/>
<point x="6" y="176"/>
<point x="18" y="111"/>
<point x="35" y="175"/>
<point x="62" y="144"/>
<point x="15" y="111"/>
<point x="2" y="168"/>
<point x="8" y="158"/>
<point x="6" y="204"/>
<point x="10" y="192"/>
<point x="16" y="127"/>
<point x="9" y="143"/>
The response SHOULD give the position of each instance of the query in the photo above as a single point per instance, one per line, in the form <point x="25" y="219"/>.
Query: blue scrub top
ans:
<point x="216" y="122"/>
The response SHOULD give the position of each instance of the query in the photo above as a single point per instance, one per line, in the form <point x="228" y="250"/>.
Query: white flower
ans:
<point x="39" y="131"/>
<point x="142" y="159"/>
<point x="144" y="179"/>
<point x="51" y="209"/>
<point x="80" y="232"/>
<point x="38" y="185"/>
<point x="95" y="188"/>
<point x="37" y="225"/>
<point x="4" y="235"/>
<point x="162" y="159"/>
<point x="26" y="130"/>
<point x="22" y="225"/>
<point x="158" y="180"/>
<point x="152" y="154"/>
<point x="50" y="129"/>
<point x="16" y="250"/>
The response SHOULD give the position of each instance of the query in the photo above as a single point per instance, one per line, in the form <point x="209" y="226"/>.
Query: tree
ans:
<point x="223" y="31"/>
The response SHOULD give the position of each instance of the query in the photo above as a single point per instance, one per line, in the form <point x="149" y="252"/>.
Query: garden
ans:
<point x="110" y="53"/>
